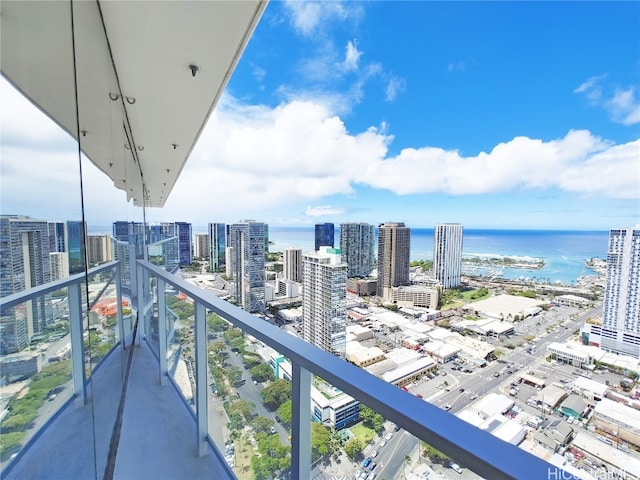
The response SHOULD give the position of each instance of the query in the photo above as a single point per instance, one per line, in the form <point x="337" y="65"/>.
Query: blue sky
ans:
<point x="491" y="114"/>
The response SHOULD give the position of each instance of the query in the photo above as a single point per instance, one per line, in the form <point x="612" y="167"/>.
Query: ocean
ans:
<point x="564" y="252"/>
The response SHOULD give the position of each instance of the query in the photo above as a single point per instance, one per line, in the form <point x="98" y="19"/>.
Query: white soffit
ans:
<point x="152" y="101"/>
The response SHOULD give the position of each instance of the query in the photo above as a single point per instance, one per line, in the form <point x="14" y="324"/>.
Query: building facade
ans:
<point x="218" y="245"/>
<point x="74" y="233"/>
<point x="357" y="244"/>
<point x="98" y="249"/>
<point x="324" y="291"/>
<point x="247" y="241"/>
<point x="620" y="331"/>
<point x="447" y="254"/>
<point x="201" y="245"/>
<point x="24" y="263"/>
<point x="394" y="244"/>
<point x="325" y="235"/>
<point x="293" y="264"/>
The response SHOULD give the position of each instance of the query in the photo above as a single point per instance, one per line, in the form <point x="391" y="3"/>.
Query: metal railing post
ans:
<point x="300" y="422"/>
<point x="77" y="344"/>
<point x="162" y="330"/>
<point x="201" y="378"/>
<point x="120" y="329"/>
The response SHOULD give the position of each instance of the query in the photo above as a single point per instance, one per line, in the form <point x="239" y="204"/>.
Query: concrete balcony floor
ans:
<point x="158" y="436"/>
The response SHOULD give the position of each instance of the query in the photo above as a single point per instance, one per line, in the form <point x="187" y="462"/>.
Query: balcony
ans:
<point x="128" y="413"/>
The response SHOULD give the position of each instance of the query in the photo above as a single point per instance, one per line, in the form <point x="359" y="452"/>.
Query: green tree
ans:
<point x="262" y="424"/>
<point x="436" y="456"/>
<point x="320" y="436"/>
<point x="274" y="457"/>
<point x="242" y="407"/>
<point x="284" y="412"/>
<point x="263" y="373"/>
<point x="278" y="392"/>
<point x="353" y="448"/>
<point x="370" y="418"/>
<point x="217" y="324"/>
<point x="217" y="347"/>
<point x="232" y="333"/>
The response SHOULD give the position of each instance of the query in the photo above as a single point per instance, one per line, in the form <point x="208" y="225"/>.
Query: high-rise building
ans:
<point x="98" y="249"/>
<point x="24" y="263"/>
<point x="74" y="233"/>
<point x="185" y="242"/>
<point x="201" y="245"/>
<point x="325" y="235"/>
<point x="56" y="237"/>
<point x="357" y="246"/>
<point x="621" y="310"/>
<point x="132" y="233"/>
<point x="447" y="254"/>
<point x="218" y="245"/>
<point x="394" y="245"/>
<point x="247" y="240"/>
<point x="59" y="265"/>
<point x="323" y="300"/>
<point x="293" y="264"/>
<point x="182" y="230"/>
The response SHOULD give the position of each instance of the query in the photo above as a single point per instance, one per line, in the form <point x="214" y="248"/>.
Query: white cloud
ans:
<point x="323" y="210"/>
<point x="394" y="87"/>
<point x="308" y="18"/>
<point x="579" y="162"/>
<point x="456" y="67"/>
<point x="622" y="105"/>
<point x="352" y="56"/>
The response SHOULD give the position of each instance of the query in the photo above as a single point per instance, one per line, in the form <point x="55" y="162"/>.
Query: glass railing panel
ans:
<point x="35" y="368"/>
<point x="101" y="325"/>
<point x="181" y="351"/>
<point x="249" y="407"/>
<point x="165" y="254"/>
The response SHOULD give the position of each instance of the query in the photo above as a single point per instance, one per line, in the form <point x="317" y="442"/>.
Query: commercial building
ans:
<point x="218" y="245"/>
<point x="620" y="331"/>
<point x="415" y="296"/>
<point x="324" y="290"/>
<point x="59" y="265"/>
<point x="24" y="261"/>
<point x="324" y="235"/>
<point x="447" y="254"/>
<point x="293" y="264"/>
<point x="99" y="249"/>
<point x="74" y="234"/>
<point x="246" y="238"/>
<point x="56" y="237"/>
<point x="617" y="421"/>
<point x="394" y="245"/>
<point x="357" y="244"/>
<point x="201" y="245"/>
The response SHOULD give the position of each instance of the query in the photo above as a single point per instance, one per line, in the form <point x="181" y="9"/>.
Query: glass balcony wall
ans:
<point x="241" y="334"/>
<point x="60" y="363"/>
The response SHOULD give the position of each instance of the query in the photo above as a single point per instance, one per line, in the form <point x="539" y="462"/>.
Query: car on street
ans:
<point x="374" y="454"/>
<point x="456" y="468"/>
<point x="447" y="407"/>
<point x="366" y="462"/>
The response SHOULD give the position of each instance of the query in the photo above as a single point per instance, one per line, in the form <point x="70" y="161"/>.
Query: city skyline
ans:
<point x="528" y="120"/>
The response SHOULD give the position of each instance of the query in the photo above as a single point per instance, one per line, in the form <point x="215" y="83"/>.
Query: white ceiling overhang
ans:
<point x="140" y="108"/>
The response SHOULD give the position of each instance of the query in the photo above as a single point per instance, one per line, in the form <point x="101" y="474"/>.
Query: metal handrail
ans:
<point x="472" y="447"/>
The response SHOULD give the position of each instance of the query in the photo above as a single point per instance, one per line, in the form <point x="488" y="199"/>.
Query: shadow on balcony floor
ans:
<point x="157" y="440"/>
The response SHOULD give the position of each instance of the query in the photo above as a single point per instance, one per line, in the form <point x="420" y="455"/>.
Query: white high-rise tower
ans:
<point x="323" y="300"/>
<point x="447" y="254"/>
<point x="621" y="309"/>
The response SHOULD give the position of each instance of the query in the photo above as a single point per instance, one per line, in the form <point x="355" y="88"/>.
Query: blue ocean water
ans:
<point x="564" y="252"/>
